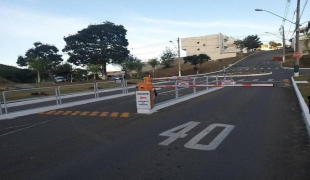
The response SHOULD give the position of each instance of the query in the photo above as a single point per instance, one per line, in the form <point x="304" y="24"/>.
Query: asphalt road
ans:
<point x="232" y="133"/>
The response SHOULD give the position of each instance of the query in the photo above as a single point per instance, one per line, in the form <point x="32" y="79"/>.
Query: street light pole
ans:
<point x="283" y="40"/>
<point x="178" y="54"/>
<point x="296" y="69"/>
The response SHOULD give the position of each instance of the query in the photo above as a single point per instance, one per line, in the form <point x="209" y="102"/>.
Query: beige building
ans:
<point x="217" y="46"/>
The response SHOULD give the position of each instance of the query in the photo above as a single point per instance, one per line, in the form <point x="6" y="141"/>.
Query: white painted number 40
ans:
<point x="193" y="143"/>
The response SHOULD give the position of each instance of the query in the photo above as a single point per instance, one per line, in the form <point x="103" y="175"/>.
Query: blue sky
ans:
<point x="150" y="24"/>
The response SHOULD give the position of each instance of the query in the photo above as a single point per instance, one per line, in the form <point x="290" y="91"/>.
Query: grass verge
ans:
<point x="304" y="88"/>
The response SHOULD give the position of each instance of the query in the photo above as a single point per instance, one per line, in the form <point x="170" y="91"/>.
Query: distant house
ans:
<point x="303" y="31"/>
<point x="217" y="46"/>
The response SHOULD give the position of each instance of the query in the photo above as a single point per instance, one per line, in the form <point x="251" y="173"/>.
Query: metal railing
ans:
<point x="5" y="92"/>
<point x="59" y="89"/>
<point x="58" y="94"/>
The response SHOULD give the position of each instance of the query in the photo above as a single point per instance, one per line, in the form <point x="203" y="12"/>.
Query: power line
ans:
<point x="288" y="3"/>
<point x="291" y="25"/>
<point x="303" y="8"/>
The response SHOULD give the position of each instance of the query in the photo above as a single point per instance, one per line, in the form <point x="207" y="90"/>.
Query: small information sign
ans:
<point x="143" y="99"/>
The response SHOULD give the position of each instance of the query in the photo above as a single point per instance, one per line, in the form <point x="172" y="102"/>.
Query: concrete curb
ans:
<point x="303" y="105"/>
<point x="290" y="67"/>
<point x="48" y="108"/>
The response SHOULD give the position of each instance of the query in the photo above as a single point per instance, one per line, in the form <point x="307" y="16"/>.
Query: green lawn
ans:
<point x="304" y="88"/>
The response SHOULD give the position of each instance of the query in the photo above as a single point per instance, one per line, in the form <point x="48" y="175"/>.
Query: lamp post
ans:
<point x="296" y="67"/>
<point x="178" y="49"/>
<point x="283" y="41"/>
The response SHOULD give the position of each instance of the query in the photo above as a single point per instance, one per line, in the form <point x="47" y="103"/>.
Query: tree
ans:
<point x="252" y="42"/>
<point x="167" y="57"/>
<point x="99" y="44"/>
<point x="195" y="60"/>
<point x="40" y="58"/>
<point x="130" y="64"/>
<point x="153" y="63"/>
<point x="239" y="44"/>
<point x="64" y="70"/>
<point x="93" y="68"/>
<point x="79" y="73"/>
<point x="274" y="45"/>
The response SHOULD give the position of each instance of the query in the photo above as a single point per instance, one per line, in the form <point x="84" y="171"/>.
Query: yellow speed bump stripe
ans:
<point x="75" y="113"/>
<point x="94" y="113"/>
<point x="114" y="114"/>
<point x="50" y="112"/>
<point x="125" y="114"/>
<point x="67" y="113"/>
<point x="84" y="113"/>
<point x="104" y="114"/>
<point x="58" y="112"/>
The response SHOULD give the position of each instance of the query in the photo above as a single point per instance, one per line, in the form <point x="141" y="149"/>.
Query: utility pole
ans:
<point x="296" y="67"/>
<point x="179" y="56"/>
<point x="283" y="38"/>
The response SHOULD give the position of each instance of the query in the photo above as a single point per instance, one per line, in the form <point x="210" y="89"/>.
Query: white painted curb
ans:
<point x="290" y="67"/>
<point x="303" y="105"/>
<point x="48" y="108"/>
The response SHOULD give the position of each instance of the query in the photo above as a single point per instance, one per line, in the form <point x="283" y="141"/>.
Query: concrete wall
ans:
<point x="213" y="45"/>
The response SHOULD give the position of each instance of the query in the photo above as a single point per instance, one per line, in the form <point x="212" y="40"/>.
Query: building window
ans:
<point x="198" y="49"/>
<point x="204" y="44"/>
<point x="197" y="42"/>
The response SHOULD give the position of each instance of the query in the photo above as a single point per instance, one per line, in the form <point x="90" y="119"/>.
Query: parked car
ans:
<point x="114" y="77"/>
<point x="59" y="79"/>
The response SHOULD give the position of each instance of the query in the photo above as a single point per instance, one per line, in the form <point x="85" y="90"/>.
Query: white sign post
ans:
<point x="143" y="101"/>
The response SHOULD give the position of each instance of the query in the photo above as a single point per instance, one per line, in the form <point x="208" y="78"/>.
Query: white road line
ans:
<point x="277" y="68"/>
<point x="37" y="124"/>
<point x="270" y="80"/>
<point x="255" y="79"/>
<point x="269" y="68"/>
<point x="254" y="68"/>
<point x="23" y="128"/>
<point x="18" y="126"/>
<point x="261" y="68"/>
<point x="241" y="80"/>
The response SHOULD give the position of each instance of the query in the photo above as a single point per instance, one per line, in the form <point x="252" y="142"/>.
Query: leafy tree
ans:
<point x="17" y="75"/>
<point x="40" y="58"/>
<point x="167" y="57"/>
<point x="131" y="63"/>
<point x="64" y="70"/>
<point x="274" y="44"/>
<point x="99" y="44"/>
<point x="93" y="69"/>
<point x="79" y="73"/>
<point x="239" y="44"/>
<point x="195" y="60"/>
<point x="153" y="63"/>
<point x="252" y="42"/>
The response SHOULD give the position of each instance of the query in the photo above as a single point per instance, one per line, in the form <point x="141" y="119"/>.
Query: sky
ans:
<point x="150" y="24"/>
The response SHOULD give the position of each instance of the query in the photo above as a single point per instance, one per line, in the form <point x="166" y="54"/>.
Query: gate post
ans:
<point x="145" y="96"/>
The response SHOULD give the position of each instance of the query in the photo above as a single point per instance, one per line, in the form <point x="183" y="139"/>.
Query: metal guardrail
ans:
<point x="59" y="92"/>
<point x="5" y="92"/>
